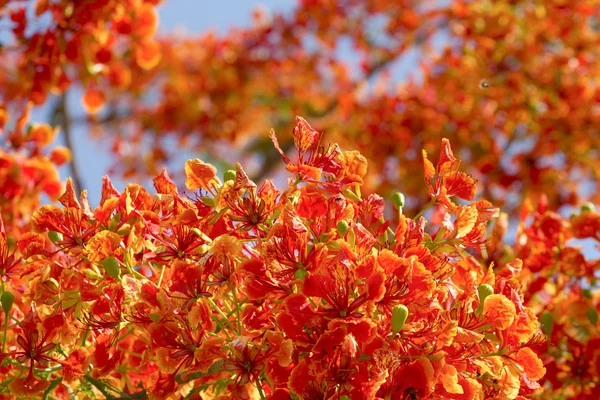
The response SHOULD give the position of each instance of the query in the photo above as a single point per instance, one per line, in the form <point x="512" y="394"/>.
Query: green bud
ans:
<point x="55" y="236"/>
<point x="547" y="321"/>
<point x="7" y="299"/>
<point x="300" y="273"/>
<point x="155" y="317"/>
<point x="342" y="228"/>
<point x="398" y="200"/>
<point x="483" y="291"/>
<point x="229" y="175"/>
<point x="112" y="267"/>
<point x="592" y="315"/>
<point x="399" y="316"/>
<point x="585" y="207"/>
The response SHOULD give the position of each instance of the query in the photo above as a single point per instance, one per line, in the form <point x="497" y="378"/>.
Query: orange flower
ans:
<point x="42" y="134"/>
<point x="353" y="166"/>
<point x="148" y="54"/>
<point x="308" y="140"/>
<point x="465" y="220"/>
<point x="531" y="363"/>
<point x="76" y="364"/>
<point x="146" y="20"/>
<point x="446" y="180"/>
<point x="60" y="155"/>
<point x="27" y="387"/>
<point x="449" y="379"/>
<point x="200" y="175"/>
<point x="499" y="311"/>
<point x="586" y="225"/>
<point x="93" y="100"/>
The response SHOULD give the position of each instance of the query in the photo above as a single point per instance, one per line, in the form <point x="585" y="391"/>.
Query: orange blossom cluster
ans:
<point x="240" y="291"/>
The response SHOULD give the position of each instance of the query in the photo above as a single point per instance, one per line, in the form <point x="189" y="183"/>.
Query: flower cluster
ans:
<point x="560" y="282"/>
<point x="513" y="84"/>
<point x="28" y="169"/>
<point x="240" y="291"/>
<point x="55" y="43"/>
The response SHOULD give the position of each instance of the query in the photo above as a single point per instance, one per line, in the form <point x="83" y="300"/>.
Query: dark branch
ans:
<point x="61" y="118"/>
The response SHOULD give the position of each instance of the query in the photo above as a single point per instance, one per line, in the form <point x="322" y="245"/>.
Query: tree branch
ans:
<point x="61" y="118"/>
<point x="270" y="161"/>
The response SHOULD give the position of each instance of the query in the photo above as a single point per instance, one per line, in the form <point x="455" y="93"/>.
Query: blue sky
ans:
<point x="189" y="16"/>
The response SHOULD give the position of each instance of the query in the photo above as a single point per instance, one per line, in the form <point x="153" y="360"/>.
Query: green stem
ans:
<point x="85" y="335"/>
<point x="431" y="202"/>
<point x="218" y="310"/>
<point x="99" y="385"/>
<point x="160" y="278"/>
<point x="260" y="390"/>
<point x="5" y="329"/>
<point x="237" y="307"/>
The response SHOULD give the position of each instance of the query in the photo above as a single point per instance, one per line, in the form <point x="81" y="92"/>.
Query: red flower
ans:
<point x="446" y="180"/>
<point x="36" y="350"/>
<point x="10" y="265"/>
<point x="319" y="160"/>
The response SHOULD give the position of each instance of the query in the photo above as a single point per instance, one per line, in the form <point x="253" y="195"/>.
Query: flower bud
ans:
<point x="399" y="316"/>
<point x="229" y="175"/>
<point x="588" y="207"/>
<point x="300" y="273"/>
<point x="592" y="315"/>
<point x="342" y="228"/>
<point x="547" y="322"/>
<point x="483" y="291"/>
<point x="398" y="200"/>
<point x="7" y="299"/>
<point x="55" y="236"/>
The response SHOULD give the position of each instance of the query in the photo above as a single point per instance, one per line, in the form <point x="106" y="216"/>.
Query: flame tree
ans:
<point x="323" y="288"/>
